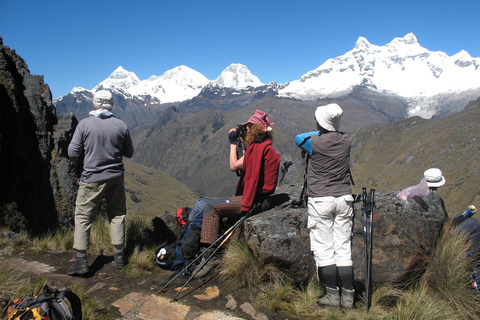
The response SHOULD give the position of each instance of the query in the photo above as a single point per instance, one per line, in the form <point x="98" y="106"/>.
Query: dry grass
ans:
<point x="241" y="269"/>
<point x="443" y="292"/>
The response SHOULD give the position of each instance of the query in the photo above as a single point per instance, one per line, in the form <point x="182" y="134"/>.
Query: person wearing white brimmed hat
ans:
<point x="434" y="178"/>
<point x="330" y="200"/>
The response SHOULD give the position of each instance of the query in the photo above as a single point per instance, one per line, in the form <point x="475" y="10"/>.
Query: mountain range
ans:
<point x="186" y="137"/>
<point x="429" y="82"/>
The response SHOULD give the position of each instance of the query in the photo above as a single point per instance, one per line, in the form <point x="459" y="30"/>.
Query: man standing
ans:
<point x="330" y="200"/>
<point x="104" y="140"/>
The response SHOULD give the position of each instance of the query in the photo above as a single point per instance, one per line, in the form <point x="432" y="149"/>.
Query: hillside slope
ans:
<point x="394" y="156"/>
<point x="151" y="192"/>
<point x="193" y="147"/>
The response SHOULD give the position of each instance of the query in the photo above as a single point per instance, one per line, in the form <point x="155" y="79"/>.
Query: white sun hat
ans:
<point x="328" y="117"/>
<point x="434" y="177"/>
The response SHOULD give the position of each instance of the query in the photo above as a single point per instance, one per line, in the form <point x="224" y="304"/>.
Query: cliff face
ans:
<point x="35" y="173"/>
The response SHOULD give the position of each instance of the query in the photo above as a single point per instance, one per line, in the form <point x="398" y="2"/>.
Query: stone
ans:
<point x="216" y="315"/>
<point x="209" y="294"/>
<point x="96" y="287"/>
<point x="128" y="303"/>
<point x="260" y="316"/>
<point x="159" y="308"/>
<point x="36" y="173"/>
<point x="231" y="303"/>
<point x="248" y="309"/>
<point x="403" y="238"/>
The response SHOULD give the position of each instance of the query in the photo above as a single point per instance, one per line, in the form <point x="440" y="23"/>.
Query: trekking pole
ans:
<point x="198" y="257"/>
<point x="239" y="222"/>
<point x="371" y="205"/>
<point x="365" y="235"/>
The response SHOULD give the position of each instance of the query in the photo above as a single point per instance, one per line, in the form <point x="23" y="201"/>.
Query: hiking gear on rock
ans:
<point x="119" y="257"/>
<point x="48" y="305"/>
<point x="368" y="205"/>
<point x="348" y="297"/>
<point x="225" y="238"/>
<point x="209" y="261"/>
<point x="80" y="265"/>
<point x="184" y="250"/>
<point x="332" y="298"/>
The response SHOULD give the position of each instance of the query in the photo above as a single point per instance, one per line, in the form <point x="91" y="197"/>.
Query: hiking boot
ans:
<point x="210" y="264"/>
<point x="81" y="264"/>
<point x="332" y="298"/>
<point x="119" y="257"/>
<point x="348" y="298"/>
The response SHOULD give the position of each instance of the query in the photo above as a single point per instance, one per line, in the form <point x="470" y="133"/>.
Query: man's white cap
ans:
<point x="434" y="177"/>
<point x="103" y="99"/>
<point x="328" y="117"/>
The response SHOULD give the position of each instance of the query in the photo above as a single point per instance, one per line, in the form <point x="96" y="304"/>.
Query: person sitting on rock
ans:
<point x="259" y="168"/>
<point x="330" y="201"/>
<point x="435" y="178"/>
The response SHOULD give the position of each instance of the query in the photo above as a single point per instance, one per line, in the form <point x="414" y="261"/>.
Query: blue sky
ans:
<point x="79" y="43"/>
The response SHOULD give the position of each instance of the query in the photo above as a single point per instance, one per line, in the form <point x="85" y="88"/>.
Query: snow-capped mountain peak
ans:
<point x="177" y="84"/>
<point x="362" y="43"/>
<point x="401" y="67"/>
<point x="119" y="79"/>
<point x="237" y="76"/>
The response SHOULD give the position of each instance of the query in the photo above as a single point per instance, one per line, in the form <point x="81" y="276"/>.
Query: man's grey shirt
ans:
<point x="105" y="140"/>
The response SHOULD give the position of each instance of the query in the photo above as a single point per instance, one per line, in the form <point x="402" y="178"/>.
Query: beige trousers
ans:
<point x="89" y="198"/>
<point x="330" y="224"/>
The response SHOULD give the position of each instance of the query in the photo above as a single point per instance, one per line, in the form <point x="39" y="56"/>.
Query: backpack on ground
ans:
<point x="50" y="305"/>
<point x="175" y="255"/>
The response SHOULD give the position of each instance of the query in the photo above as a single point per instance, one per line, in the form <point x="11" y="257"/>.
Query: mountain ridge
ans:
<point x="402" y="67"/>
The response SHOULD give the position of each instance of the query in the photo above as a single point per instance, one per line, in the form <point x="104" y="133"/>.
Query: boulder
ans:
<point x="37" y="181"/>
<point x="404" y="234"/>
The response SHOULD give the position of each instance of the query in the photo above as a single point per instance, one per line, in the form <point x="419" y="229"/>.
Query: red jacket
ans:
<point x="261" y="165"/>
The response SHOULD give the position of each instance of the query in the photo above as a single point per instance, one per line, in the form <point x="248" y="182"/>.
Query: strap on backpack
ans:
<point x="74" y="302"/>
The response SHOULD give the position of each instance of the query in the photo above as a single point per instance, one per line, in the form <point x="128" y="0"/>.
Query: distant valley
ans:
<point x="187" y="139"/>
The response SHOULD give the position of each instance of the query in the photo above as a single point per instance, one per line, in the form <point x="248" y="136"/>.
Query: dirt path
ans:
<point x="131" y="298"/>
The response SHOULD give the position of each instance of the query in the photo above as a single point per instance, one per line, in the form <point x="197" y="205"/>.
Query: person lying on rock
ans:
<point x="103" y="140"/>
<point x="259" y="167"/>
<point x="330" y="200"/>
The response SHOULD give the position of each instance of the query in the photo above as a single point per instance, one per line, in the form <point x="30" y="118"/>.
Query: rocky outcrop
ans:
<point x="32" y="152"/>
<point x="404" y="233"/>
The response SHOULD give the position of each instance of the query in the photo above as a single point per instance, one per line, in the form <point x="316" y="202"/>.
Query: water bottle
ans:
<point x="470" y="211"/>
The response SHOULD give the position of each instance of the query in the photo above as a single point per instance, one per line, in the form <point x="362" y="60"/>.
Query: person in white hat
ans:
<point x="330" y="200"/>
<point x="103" y="140"/>
<point x="434" y="178"/>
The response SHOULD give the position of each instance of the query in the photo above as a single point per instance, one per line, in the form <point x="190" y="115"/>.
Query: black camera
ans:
<point x="242" y="131"/>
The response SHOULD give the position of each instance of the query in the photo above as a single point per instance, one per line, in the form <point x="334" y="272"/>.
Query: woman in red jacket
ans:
<point x="259" y="168"/>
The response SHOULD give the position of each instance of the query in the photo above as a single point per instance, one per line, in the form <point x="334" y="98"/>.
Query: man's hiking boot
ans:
<point x="81" y="264"/>
<point x="348" y="298"/>
<point x="331" y="299"/>
<point x="119" y="257"/>
<point x="211" y="263"/>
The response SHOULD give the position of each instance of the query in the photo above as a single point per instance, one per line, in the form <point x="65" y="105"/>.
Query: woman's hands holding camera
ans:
<point x="233" y="136"/>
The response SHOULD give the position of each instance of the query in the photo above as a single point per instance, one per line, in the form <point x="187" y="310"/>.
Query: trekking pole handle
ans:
<point x="372" y="199"/>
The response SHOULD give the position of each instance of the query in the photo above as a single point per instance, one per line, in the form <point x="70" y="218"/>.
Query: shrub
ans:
<point x="11" y="218"/>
